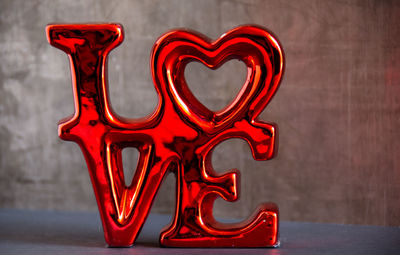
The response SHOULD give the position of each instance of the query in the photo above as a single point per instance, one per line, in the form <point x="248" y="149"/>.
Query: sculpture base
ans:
<point x="260" y="230"/>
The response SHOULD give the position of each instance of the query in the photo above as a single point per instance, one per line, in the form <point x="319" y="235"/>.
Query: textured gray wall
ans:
<point x="337" y="109"/>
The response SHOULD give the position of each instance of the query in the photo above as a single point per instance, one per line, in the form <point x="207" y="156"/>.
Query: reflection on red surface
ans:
<point x="179" y="136"/>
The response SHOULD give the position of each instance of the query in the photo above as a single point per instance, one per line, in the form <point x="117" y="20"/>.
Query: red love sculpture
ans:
<point x="179" y="136"/>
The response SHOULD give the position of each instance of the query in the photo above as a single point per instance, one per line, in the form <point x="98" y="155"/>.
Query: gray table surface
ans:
<point x="33" y="232"/>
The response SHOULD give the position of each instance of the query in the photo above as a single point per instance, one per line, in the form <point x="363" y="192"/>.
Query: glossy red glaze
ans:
<point x="179" y="136"/>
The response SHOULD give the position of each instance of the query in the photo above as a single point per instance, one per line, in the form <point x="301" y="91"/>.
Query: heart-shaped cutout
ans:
<point x="216" y="89"/>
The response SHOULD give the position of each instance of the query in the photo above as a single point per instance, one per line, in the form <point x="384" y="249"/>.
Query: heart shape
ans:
<point x="255" y="46"/>
<point x="216" y="88"/>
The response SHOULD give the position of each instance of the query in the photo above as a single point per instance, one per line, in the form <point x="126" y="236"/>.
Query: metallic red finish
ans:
<point x="179" y="136"/>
